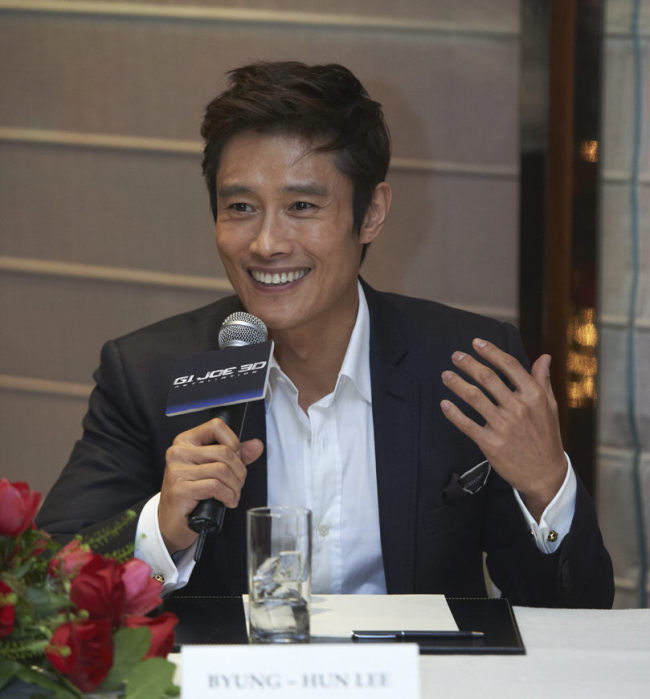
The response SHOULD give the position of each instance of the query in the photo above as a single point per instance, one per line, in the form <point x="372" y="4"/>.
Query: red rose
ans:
<point x="82" y="652"/>
<point x="142" y="591"/>
<point x="18" y="507"/>
<point x="40" y="543"/>
<point x="98" y="588"/>
<point x="7" y="609"/>
<point x="70" y="560"/>
<point x="162" y="632"/>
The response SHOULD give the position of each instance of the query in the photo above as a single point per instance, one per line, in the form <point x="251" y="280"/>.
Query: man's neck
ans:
<point x="313" y="360"/>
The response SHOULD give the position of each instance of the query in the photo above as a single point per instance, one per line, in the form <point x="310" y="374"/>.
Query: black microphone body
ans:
<point x="208" y="514"/>
<point x="237" y="330"/>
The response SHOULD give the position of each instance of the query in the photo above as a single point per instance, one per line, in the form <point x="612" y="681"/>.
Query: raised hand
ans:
<point x="521" y="435"/>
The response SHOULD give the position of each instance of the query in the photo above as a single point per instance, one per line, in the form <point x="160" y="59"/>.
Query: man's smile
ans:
<point x="278" y="278"/>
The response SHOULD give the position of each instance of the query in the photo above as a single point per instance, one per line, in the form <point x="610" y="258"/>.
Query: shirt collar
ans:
<point x="355" y="367"/>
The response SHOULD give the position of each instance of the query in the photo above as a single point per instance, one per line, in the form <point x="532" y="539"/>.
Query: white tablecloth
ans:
<point x="569" y="653"/>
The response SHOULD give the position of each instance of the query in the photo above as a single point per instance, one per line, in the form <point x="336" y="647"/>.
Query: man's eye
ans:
<point x="240" y="206"/>
<point x="302" y="206"/>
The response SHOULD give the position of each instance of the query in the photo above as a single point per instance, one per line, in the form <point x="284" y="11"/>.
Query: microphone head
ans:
<point x="240" y="329"/>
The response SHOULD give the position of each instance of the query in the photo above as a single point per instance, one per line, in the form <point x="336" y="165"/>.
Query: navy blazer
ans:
<point x="430" y="543"/>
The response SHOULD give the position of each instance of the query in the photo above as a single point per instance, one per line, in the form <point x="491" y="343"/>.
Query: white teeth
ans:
<point x="278" y="278"/>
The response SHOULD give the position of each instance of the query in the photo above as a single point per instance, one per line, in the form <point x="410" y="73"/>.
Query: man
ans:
<point x="383" y="411"/>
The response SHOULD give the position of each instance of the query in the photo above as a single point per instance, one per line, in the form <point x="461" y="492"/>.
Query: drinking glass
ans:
<point x="279" y="573"/>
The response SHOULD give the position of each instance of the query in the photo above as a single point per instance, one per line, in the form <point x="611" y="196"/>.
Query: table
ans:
<point x="569" y="653"/>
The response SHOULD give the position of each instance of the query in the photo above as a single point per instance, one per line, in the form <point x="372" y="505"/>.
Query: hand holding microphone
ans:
<point x="208" y="463"/>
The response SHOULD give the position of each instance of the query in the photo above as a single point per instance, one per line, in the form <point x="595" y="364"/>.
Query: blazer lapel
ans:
<point x="395" y="405"/>
<point x="255" y="488"/>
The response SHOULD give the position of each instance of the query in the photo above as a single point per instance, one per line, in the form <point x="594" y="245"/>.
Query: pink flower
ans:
<point x="98" y="588"/>
<point x="18" y="507"/>
<point x="7" y="609"/>
<point x="82" y="652"/>
<point x="70" y="560"/>
<point x="142" y="591"/>
<point x="162" y="632"/>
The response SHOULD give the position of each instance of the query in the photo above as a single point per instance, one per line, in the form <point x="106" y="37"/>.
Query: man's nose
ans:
<point x="272" y="238"/>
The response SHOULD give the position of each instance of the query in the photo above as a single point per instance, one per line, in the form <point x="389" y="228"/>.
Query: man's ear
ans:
<point x="376" y="214"/>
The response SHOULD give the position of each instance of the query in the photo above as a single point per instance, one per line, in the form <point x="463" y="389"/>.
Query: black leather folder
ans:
<point x="492" y="616"/>
<point x="221" y="620"/>
<point x="208" y="620"/>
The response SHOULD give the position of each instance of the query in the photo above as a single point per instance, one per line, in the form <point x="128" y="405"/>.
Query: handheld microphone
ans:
<point x="237" y="330"/>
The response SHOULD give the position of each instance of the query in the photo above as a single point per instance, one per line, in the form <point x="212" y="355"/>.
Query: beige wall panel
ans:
<point x="618" y="15"/>
<point x="614" y="501"/>
<point x="37" y="432"/>
<point x="617" y="107"/>
<point x="486" y="14"/>
<point x="618" y="86"/>
<point x="106" y="207"/>
<point x="55" y="327"/>
<point x="446" y="97"/>
<point x="615" y="255"/>
<point x="475" y="266"/>
<point x="613" y="425"/>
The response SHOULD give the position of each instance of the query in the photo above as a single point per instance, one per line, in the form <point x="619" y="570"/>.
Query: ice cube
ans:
<point x="266" y="576"/>
<point x="290" y="568"/>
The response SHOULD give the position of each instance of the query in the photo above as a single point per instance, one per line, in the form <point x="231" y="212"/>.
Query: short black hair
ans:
<point x="323" y="103"/>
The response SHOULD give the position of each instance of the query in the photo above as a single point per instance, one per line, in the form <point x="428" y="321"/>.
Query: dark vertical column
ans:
<point x="559" y="209"/>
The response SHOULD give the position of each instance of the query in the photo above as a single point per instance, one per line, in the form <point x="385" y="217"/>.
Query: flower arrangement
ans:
<point x="73" y="621"/>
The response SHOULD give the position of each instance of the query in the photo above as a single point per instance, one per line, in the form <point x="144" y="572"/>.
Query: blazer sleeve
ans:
<point x="578" y="574"/>
<point x="112" y="468"/>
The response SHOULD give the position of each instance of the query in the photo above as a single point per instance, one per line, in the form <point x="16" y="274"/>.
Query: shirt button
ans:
<point x="323" y="530"/>
<point x="160" y="578"/>
<point x="552" y="535"/>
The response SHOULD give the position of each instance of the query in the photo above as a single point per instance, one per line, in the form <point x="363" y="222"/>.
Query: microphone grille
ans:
<point x="240" y="329"/>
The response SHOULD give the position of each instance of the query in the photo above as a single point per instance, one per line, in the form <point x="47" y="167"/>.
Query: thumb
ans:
<point x="541" y="372"/>
<point x="251" y="450"/>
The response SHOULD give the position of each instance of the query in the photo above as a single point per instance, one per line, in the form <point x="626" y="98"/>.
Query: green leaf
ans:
<point x="152" y="679"/>
<point x="129" y="647"/>
<point x="59" y="688"/>
<point x="8" y="670"/>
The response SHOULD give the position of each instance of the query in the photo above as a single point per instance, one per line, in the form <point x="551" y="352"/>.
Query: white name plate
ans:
<point x="355" y="670"/>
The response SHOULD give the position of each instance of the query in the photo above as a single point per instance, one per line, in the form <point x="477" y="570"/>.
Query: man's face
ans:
<point x="285" y="232"/>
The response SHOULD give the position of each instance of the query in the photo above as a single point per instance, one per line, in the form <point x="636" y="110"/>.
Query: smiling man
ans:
<point x="413" y="431"/>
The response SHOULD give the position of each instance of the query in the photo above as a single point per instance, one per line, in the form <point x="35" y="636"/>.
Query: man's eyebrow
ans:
<point x="310" y="188"/>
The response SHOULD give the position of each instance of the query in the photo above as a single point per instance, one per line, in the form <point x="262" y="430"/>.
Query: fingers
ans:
<point x="210" y="432"/>
<point x="207" y="461"/>
<point x="520" y="436"/>
<point x="189" y="481"/>
<point x="541" y="372"/>
<point x="466" y="425"/>
<point x="251" y="450"/>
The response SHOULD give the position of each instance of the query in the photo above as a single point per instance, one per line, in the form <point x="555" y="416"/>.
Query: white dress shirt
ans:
<point x="325" y="460"/>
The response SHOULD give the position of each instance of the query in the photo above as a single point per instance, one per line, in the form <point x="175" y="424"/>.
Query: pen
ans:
<point x="412" y="635"/>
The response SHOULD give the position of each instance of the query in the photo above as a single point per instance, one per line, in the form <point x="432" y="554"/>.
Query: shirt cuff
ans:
<point x="555" y="522"/>
<point x="173" y="571"/>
